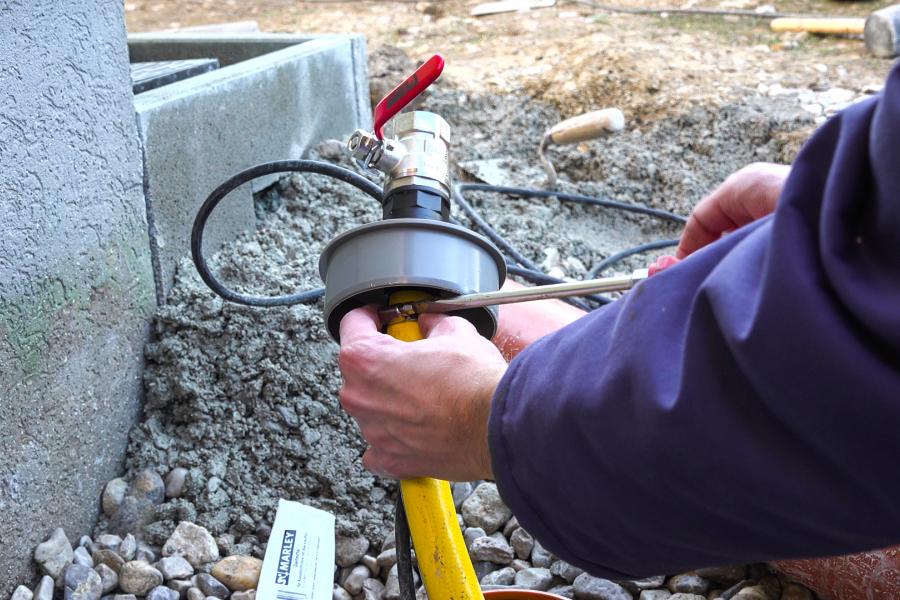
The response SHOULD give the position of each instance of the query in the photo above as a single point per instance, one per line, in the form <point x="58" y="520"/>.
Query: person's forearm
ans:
<point x="523" y="323"/>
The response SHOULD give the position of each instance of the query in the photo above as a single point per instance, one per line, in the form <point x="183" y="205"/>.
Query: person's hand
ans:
<point x="422" y="406"/>
<point x="522" y="323"/>
<point x="746" y="195"/>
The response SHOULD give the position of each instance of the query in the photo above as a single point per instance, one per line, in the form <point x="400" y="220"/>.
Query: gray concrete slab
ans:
<point x="75" y="278"/>
<point x="279" y="95"/>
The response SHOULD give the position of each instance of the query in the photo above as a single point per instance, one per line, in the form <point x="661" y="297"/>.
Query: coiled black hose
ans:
<point x="237" y="180"/>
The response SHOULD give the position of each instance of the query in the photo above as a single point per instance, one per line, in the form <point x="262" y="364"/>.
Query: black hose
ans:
<point x="611" y="260"/>
<point x="403" y="541"/>
<point x="235" y="181"/>
<point x="566" y="197"/>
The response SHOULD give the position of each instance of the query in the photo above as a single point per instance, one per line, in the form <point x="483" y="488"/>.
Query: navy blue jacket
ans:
<point x="743" y="405"/>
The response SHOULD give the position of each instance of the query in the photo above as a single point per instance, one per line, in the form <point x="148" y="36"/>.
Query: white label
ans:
<point x="299" y="563"/>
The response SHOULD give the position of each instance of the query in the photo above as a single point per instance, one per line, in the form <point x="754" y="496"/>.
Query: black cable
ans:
<point x="611" y="260"/>
<point x="565" y="197"/>
<point x="235" y="181"/>
<point x="489" y="231"/>
<point x="403" y="542"/>
<point x="528" y="269"/>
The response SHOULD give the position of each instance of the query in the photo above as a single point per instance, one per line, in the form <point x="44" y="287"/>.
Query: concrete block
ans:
<point x="277" y="96"/>
<point x="75" y="280"/>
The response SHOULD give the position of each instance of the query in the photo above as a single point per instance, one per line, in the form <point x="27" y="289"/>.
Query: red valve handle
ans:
<point x="406" y="92"/>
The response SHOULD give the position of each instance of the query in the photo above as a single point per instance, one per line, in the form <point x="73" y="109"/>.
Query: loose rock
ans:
<point x="82" y="557"/>
<point x="540" y="557"/>
<point x="174" y="567"/>
<point x="148" y="484"/>
<point x="109" y="581"/>
<point x="195" y="594"/>
<point x="82" y="583"/>
<point x="238" y="573"/>
<point x="175" y="481"/>
<point x="22" y="593"/>
<point x="128" y="547"/>
<point x="588" y="587"/>
<point x="109" y="541"/>
<point x="124" y="597"/>
<point x="248" y="595"/>
<point x="355" y="578"/>
<point x="636" y="585"/>
<point x="688" y="583"/>
<point x="54" y="554"/>
<point x="520" y="564"/>
<point x="504" y="576"/>
<point x="754" y="592"/>
<point x="534" y="578"/>
<point x="108" y="558"/>
<point x="192" y="542"/>
<point x="138" y="578"/>
<point x="569" y="572"/>
<point x="470" y="534"/>
<point x="485" y="509"/>
<point x="371" y="563"/>
<point x="495" y="549"/>
<point x="461" y="491"/>
<point x="339" y="593"/>
<point x="522" y="542"/>
<point x="162" y="592"/>
<point x="211" y="586"/>
<point x="349" y="550"/>
<point x="566" y="591"/>
<point x="44" y="589"/>
<point x="181" y="587"/>
<point x="684" y="596"/>
<point x="145" y="553"/>
<point x="387" y="559"/>
<point x="655" y="595"/>
<point x="372" y="589"/>
<point x="113" y="495"/>
<point x="511" y="526"/>
<point x="727" y="576"/>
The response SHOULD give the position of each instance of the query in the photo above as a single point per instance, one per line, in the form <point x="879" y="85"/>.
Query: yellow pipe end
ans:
<point x="444" y="563"/>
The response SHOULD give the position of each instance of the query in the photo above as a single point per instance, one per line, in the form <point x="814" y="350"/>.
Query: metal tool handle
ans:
<point x="588" y="126"/>
<point x="540" y="292"/>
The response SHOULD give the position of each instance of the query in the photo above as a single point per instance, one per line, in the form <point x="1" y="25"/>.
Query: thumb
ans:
<point x="436" y="325"/>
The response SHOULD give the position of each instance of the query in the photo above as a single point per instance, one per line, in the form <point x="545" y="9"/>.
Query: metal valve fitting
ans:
<point x="415" y="159"/>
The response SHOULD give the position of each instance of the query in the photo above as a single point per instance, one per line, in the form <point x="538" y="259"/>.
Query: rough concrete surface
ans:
<point x="199" y="131"/>
<point x="75" y="278"/>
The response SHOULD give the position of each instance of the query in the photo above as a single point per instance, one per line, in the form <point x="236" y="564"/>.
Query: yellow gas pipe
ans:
<point x="440" y="549"/>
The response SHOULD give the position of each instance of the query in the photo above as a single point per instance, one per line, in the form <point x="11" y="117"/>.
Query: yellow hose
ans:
<point x="440" y="549"/>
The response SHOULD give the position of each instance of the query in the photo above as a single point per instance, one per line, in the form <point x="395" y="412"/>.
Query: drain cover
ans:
<point x="147" y="76"/>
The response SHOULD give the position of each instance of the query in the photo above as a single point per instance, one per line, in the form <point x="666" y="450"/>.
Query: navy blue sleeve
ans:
<point x="743" y="405"/>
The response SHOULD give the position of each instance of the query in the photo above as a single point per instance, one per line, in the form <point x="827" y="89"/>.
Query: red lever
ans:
<point x="406" y="92"/>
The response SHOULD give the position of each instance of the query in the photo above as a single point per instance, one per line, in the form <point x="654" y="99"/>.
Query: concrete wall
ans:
<point x="75" y="277"/>
<point x="276" y="97"/>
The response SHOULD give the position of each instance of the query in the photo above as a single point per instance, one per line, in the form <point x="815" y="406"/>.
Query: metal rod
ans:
<point x="540" y="292"/>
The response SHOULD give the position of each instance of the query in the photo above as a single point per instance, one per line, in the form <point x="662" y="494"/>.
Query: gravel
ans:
<point x="54" y="554"/>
